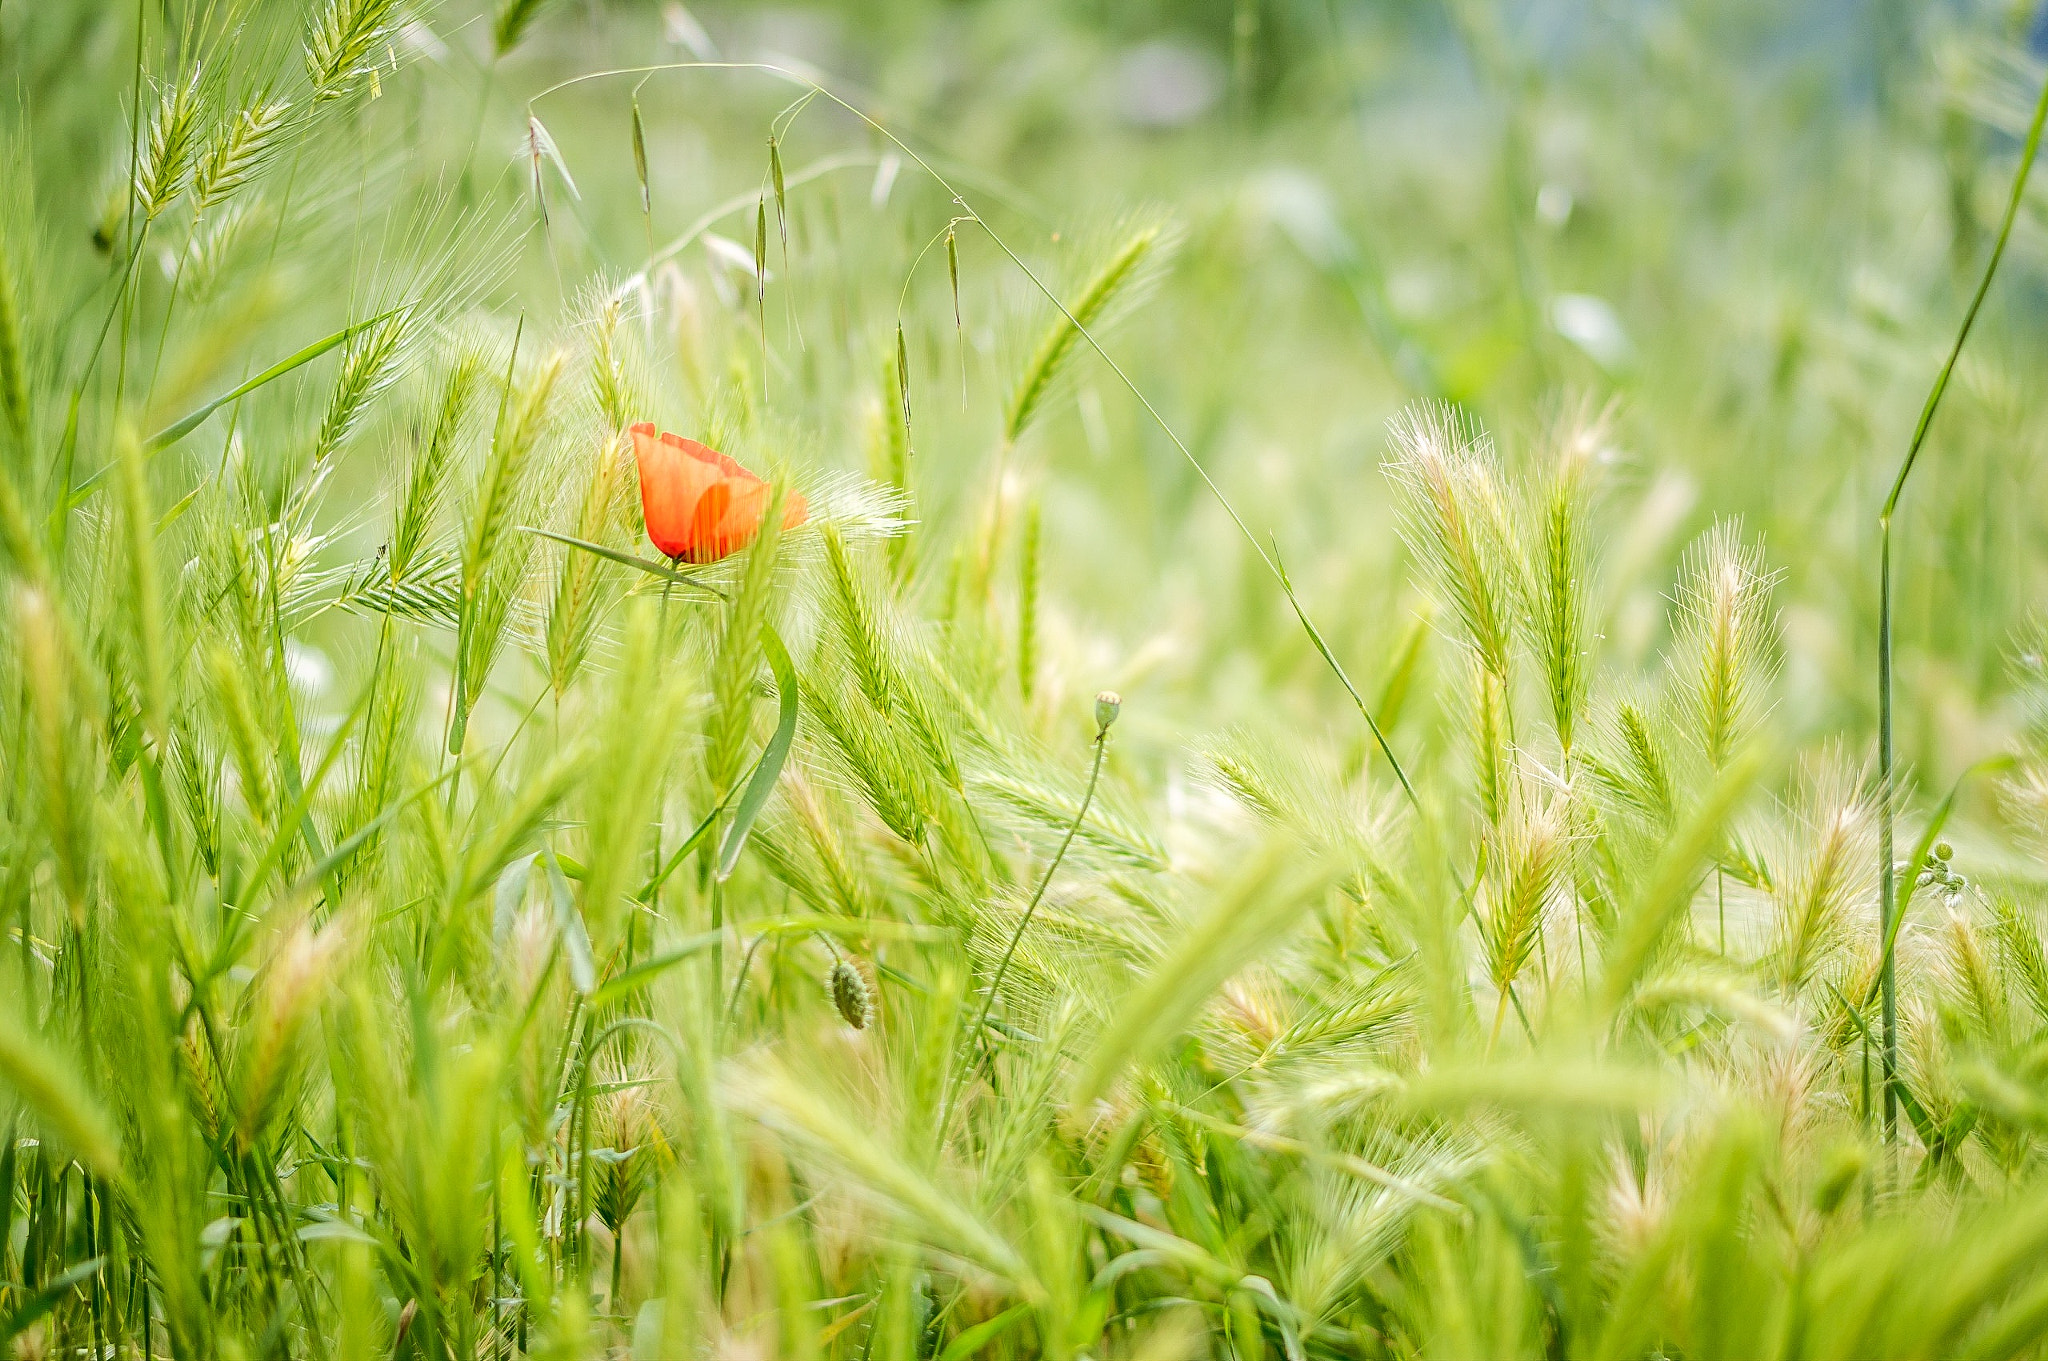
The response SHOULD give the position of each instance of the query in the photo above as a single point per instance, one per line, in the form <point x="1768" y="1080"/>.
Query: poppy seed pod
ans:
<point x="1107" y="704"/>
<point x="850" y="995"/>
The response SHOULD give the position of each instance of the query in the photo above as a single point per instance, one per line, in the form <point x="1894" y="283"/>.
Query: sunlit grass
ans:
<point x="1302" y="780"/>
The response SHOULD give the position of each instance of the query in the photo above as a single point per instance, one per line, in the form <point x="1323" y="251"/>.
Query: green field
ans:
<point x="1369" y="683"/>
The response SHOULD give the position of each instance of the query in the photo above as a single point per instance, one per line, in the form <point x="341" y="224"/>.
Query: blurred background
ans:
<point x="1748" y="226"/>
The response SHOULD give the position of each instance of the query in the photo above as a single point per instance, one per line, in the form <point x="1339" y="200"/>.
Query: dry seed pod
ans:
<point x="849" y="991"/>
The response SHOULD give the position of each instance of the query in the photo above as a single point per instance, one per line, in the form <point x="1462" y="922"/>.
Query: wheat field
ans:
<point x="1361" y="680"/>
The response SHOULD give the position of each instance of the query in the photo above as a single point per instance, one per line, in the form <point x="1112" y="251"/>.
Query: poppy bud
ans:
<point x="850" y="994"/>
<point x="1107" y="704"/>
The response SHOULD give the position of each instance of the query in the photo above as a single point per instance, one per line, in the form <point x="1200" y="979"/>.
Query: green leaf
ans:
<point x="337" y="1231"/>
<point x="981" y="1334"/>
<point x="1667" y="890"/>
<point x="640" y="975"/>
<point x="846" y="928"/>
<point x="523" y="1231"/>
<point x="690" y="843"/>
<point x="769" y="768"/>
<point x="288" y="827"/>
<point x="1923" y="1124"/>
<point x="1248" y="913"/>
<point x="575" y="938"/>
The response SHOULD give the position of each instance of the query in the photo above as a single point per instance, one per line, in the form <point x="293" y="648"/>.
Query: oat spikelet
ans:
<point x="344" y="41"/>
<point x="239" y="152"/>
<point x="167" y="155"/>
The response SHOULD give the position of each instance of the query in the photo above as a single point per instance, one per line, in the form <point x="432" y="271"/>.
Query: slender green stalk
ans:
<point x="1106" y="706"/>
<point x="1887" y="893"/>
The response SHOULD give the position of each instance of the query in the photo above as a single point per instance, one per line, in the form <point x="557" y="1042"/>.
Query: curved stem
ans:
<point x="1044" y="881"/>
<point x="739" y="984"/>
<point x="1888" y="792"/>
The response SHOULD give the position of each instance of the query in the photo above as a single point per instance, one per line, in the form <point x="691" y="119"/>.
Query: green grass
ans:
<point x="435" y="927"/>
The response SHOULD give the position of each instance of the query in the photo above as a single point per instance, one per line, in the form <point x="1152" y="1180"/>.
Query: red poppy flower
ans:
<point x="701" y="506"/>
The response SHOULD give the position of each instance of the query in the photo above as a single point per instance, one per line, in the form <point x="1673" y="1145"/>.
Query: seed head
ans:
<point x="1107" y="704"/>
<point x="1943" y="851"/>
<point x="849" y="991"/>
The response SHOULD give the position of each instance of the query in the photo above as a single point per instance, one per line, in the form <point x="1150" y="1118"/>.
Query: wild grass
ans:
<point x="435" y="927"/>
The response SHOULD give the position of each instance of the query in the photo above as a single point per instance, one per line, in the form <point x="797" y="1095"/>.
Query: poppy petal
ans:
<point x="707" y="525"/>
<point x="704" y="453"/>
<point x="699" y="505"/>
<point x="671" y="484"/>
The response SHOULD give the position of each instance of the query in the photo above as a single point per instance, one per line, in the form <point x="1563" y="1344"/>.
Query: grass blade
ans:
<point x="653" y="569"/>
<point x="177" y="430"/>
<point x="769" y="768"/>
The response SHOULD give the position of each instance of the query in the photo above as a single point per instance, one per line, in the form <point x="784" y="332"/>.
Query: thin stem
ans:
<point x="1887" y="872"/>
<point x="2012" y="208"/>
<point x="1044" y="881"/>
<point x="739" y="984"/>
<point x="476" y="129"/>
<point x="125" y="301"/>
<point x="953" y="1079"/>
<point x="1888" y="779"/>
<point x="661" y="646"/>
<point x="163" y="334"/>
<point x="497" y="1250"/>
<point x="717" y="927"/>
